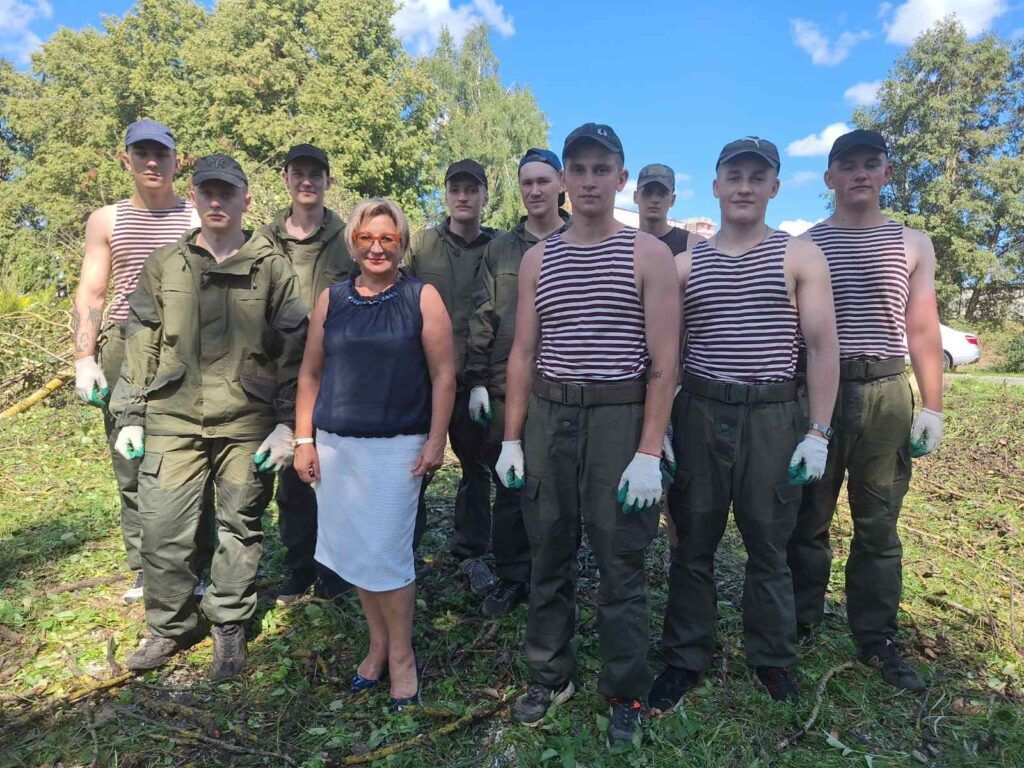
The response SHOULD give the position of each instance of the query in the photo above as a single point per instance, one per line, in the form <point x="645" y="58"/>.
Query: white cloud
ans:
<point x="419" y="22"/>
<point x="817" y="144"/>
<point x="17" y="40"/>
<point x="823" y="52"/>
<point x="800" y="178"/>
<point x="797" y="226"/>
<point x="863" y="94"/>
<point x="915" y="16"/>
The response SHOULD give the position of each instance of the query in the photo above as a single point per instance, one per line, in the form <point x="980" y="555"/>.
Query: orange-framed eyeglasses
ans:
<point x="389" y="241"/>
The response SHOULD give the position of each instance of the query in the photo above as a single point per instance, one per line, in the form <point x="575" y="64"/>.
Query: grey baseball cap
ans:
<point x="750" y="145"/>
<point x="657" y="173"/>
<point x="149" y="130"/>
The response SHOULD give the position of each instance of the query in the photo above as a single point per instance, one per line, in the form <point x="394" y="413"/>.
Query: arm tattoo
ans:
<point x="654" y="374"/>
<point x="84" y="340"/>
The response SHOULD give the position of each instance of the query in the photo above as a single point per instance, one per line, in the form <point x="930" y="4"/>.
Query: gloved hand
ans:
<point x="511" y="466"/>
<point x="926" y="433"/>
<point x="808" y="462"/>
<point x="640" y="484"/>
<point x="668" y="458"/>
<point x="480" y="406"/>
<point x="131" y="442"/>
<point x="276" y="452"/>
<point x="90" y="383"/>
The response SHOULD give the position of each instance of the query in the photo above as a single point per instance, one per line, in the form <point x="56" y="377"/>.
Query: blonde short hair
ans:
<point x="378" y="206"/>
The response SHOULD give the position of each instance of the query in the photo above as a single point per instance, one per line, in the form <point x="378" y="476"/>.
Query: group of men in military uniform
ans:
<point x="573" y="394"/>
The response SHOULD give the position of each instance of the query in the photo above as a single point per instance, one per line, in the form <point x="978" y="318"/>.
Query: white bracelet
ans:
<point x="304" y="441"/>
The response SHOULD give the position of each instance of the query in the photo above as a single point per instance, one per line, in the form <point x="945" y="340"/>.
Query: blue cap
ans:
<point x="148" y="130"/>
<point x="545" y="156"/>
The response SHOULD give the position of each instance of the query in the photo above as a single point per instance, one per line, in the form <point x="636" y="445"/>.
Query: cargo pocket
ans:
<point x="257" y="384"/>
<point x="149" y="472"/>
<point x="529" y="503"/>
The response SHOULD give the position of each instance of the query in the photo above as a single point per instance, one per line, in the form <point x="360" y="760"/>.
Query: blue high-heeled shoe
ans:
<point x="360" y="683"/>
<point x="397" y="705"/>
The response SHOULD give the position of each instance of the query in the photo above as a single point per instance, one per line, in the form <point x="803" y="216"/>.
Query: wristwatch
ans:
<point x="825" y="430"/>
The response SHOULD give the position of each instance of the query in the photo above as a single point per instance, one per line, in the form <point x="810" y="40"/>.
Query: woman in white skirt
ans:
<point x="377" y="384"/>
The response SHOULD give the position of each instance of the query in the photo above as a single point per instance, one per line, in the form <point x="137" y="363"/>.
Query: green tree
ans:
<point x="951" y="110"/>
<point x="482" y="119"/>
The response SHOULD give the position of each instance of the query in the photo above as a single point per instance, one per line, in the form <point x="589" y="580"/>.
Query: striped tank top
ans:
<point x="742" y="326"/>
<point x="137" y="233"/>
<point x="870" y="284"/>
<point x="591" y="318"/>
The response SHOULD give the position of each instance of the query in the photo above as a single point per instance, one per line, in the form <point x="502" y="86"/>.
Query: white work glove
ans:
<point x="511" y="466"/>
<point x="640" y="484"/>
<point x="90" y="383"/>
<point x="808" y="462"/>
<point x="480" y="406"/>
<point x="131" y="442"/>
<point x="277" y="451"/>
<point x="926" y="433"/>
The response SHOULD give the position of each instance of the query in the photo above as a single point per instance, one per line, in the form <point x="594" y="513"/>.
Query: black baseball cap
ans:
<point x="148" y="130"/>
<point x="467" y="167"/>
<point x="857" y="138"/>
<point x="307" y="152"/>
<point x="219" y="167"/>
<point x="602" y="134"/>
<point x="657" y="173"/>
<point x="750" y="145"/>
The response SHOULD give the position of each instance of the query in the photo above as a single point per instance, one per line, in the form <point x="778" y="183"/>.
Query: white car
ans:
<point x="958" y="348"/>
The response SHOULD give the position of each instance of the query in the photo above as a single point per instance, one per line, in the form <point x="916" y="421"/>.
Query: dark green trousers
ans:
<point x="172" y="477"/>
<point x="473" y="496"/>
<point x="872" y="427"/>
<point x="575" y="456"/>
<point x="732" y="454"/>
<point x="110" y="356"/>
<point x="296" y="522"/>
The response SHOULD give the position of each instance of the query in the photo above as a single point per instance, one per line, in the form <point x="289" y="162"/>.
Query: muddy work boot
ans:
<point x="779" y="683"/>
<point x="504" y="596"/>
<point x="157" y="651"/>
<point x="529" y="709"/>
<point x="884" y="655"/>
<point x="228" y="652"/>
<point x="669" y="689"/>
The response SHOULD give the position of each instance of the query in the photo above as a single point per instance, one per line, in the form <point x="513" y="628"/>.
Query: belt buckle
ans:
<point x="572" y="394"/>
<point x="733" y="393"/>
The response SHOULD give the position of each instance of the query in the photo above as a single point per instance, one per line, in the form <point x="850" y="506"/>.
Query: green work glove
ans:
<point x="90" y="383"/>
<point x="131" y="442"/>
<point x="640" y="484"/>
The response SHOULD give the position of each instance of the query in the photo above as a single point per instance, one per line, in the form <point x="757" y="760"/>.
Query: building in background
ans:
<point x="700" y="225"/>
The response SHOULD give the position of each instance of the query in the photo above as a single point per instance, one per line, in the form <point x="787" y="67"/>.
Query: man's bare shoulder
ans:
<point x="647" y="247"/>
<point x="101" y="221"/>
<point x="693" y="238"/>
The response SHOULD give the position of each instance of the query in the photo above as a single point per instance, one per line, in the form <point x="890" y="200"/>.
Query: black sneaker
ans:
<point x="479" y="575"/>
<point x="668" y="690"/>
<point x="530" y="708"/>
<point x="330" y="586"/>
<point x="296" y="586"/>
<point x="779" y="682"/>
<point x="134" y="593"/>
<point x="228" y="651"/>
<point x="504" y="596"/>
<point x="884" y="655"/>
<point x="625" y="717"/>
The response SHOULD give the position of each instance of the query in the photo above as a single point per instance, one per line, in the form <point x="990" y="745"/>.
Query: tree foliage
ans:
<point x="951" y="110"/>
<point x="249" y="77"/>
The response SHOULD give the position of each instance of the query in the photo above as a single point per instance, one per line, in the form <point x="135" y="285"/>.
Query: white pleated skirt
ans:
<point x="366" y="508"/>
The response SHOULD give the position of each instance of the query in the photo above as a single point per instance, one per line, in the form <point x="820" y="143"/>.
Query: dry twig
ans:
<point x="822" y="684"/>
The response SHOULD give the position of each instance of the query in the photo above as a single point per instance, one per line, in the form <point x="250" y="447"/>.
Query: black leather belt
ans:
<point x="732" y="392"/>
<point x="591" y="394"/>
<point x="862" y="369"/>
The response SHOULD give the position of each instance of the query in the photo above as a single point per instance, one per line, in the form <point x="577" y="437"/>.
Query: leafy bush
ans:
<point x="1013" y="354"/>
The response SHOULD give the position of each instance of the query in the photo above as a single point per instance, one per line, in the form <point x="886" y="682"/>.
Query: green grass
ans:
<point x="961" y="528"/>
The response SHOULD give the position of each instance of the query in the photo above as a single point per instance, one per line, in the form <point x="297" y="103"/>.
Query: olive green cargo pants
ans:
<point x="733" y="453"/>
<point x="575" y="456"/>
<point x="110" y="356"/>
<point x="872" y="427"/>
<point x="172" y="476"/>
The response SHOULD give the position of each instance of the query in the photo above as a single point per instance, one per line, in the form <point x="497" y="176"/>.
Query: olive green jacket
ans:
<point x="319" y="260"/>
<point x="493" y="322"/>
<point x="213" y="350"/>
<point x="450" y="264"/>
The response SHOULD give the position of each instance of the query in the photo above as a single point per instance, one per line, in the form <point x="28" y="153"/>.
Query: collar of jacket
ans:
<point x="444" y="231"/>
<point x="528" y="237"/>
<point x="240" y="263"/>
<point x="330" y="228"/>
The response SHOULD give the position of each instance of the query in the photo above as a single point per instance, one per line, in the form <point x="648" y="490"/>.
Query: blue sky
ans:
<point x="676" y="80"/>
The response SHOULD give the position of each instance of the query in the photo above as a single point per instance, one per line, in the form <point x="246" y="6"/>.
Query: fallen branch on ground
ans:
<point x="40" y="394"/>
<point x="794" y="738"/>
